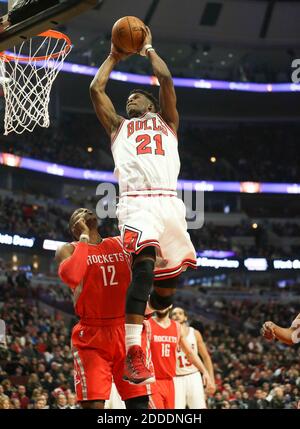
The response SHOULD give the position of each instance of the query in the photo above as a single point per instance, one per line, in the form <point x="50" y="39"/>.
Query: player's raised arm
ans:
<point x="288" y="336"/>
<point x="73" y="261"/>
<point x="167" y="95"/>
<point x="103" y="105"/>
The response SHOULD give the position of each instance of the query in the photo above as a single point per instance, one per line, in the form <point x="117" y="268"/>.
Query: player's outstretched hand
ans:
<point x="267" y="331"/>
<point x="80" y="227"/>
<point x="148" y="36"/>
<point x="147" y="40"/>
<point x="117" y="53"/>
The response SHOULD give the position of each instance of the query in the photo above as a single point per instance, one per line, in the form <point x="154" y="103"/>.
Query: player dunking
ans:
<point x="166" y="337"/>
<point x="151" y="217"/>
<point x="98" y="272"/>
<point x="189" y="389"/>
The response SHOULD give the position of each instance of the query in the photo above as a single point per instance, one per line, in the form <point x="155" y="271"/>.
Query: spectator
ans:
<point x="5" y="404"/>
<point x="33" y="383"/>
<point x="15" y="404"/>
<point x="259" y="401"/>
<point x="277" y="398"/>
<point x="72" y="404"/>
<point x="41" y="403"/>
<point x="21" y="396"/>
<point x="2" y="394"/>
<point x="61" y="402"/>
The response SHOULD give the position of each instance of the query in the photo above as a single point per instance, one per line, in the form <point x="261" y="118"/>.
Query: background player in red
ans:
<point x="151" y="217"/>
<point x="289" y="336"/>
<point x="189" y="389"/>
<point x="166" y="337"/>
<point x="98" y="272"/>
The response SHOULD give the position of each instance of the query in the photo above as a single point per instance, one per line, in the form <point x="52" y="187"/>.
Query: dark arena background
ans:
<point x="234" y="66"/>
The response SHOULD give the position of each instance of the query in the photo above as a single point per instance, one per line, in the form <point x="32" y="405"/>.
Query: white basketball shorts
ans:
<point x="189" y="392"/>
<point x="157" y="220"/>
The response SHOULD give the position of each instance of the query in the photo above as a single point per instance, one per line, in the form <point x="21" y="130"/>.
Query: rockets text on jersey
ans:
<point x="102" y="293"/>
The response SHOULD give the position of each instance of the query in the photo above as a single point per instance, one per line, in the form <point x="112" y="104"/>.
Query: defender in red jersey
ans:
<point x="98" y="272"/>
<point x="166" y="337"/>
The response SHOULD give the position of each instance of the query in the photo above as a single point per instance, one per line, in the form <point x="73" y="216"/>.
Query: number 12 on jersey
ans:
<point x="109" y="273"/>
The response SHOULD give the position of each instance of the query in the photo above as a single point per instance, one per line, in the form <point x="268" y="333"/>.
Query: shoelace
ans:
<point x="139" y="362"/>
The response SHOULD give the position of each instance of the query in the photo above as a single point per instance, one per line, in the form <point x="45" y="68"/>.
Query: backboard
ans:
<point x="38" y="50"/>
<point x="37" y="16"/>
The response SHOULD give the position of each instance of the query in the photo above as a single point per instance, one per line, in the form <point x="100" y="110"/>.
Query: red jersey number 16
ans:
<point x="165" y="350"/>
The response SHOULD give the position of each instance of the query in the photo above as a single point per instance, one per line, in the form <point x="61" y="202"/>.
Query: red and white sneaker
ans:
<point x="135" y="369"/>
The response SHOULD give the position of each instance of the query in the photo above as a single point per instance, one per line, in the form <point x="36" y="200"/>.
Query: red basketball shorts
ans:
<point x="99" y="354"/>
<point x="164" y="396"/>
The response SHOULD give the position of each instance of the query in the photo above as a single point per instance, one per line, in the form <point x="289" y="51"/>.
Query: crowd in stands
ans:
<point x="51" y="221"/>
<point x="32" y="219"/>
<point x="250" y="371"/>
<point x="242" y="152"/>
<point x="254" y="373"/>
<point x="36" y="369"/>
<point x="265" y="238"/>
<point x="65" y="142"/>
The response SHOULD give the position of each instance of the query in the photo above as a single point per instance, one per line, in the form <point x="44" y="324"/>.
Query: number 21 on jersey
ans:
<point x="145" y="146"/>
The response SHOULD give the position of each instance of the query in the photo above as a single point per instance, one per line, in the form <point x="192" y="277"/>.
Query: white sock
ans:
<point x="132" y="335"/>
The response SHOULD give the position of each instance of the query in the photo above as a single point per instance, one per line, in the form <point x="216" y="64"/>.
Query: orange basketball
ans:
<point x="128" y="34"/>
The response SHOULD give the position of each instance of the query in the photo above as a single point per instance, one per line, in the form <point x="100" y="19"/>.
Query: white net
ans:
<point x="28" y="74"/>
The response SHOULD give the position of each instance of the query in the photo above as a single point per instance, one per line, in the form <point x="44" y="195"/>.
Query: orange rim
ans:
<point x="49" y="33"/>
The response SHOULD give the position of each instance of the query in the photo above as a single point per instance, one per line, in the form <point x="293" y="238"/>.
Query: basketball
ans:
<point x="128" y="34"/>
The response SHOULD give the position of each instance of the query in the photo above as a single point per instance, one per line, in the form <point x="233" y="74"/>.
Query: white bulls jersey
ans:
<point x="145" y="151"/>
<point x="189" y="391"/>
<point x="183" y="366"/>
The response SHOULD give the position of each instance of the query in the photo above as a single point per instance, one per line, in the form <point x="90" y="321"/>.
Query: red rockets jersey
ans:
<point x="164" y="344"/>
<point x="102" y="292"/>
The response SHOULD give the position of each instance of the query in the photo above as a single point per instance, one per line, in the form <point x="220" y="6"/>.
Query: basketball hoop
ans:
<point x="27" y="77"/>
